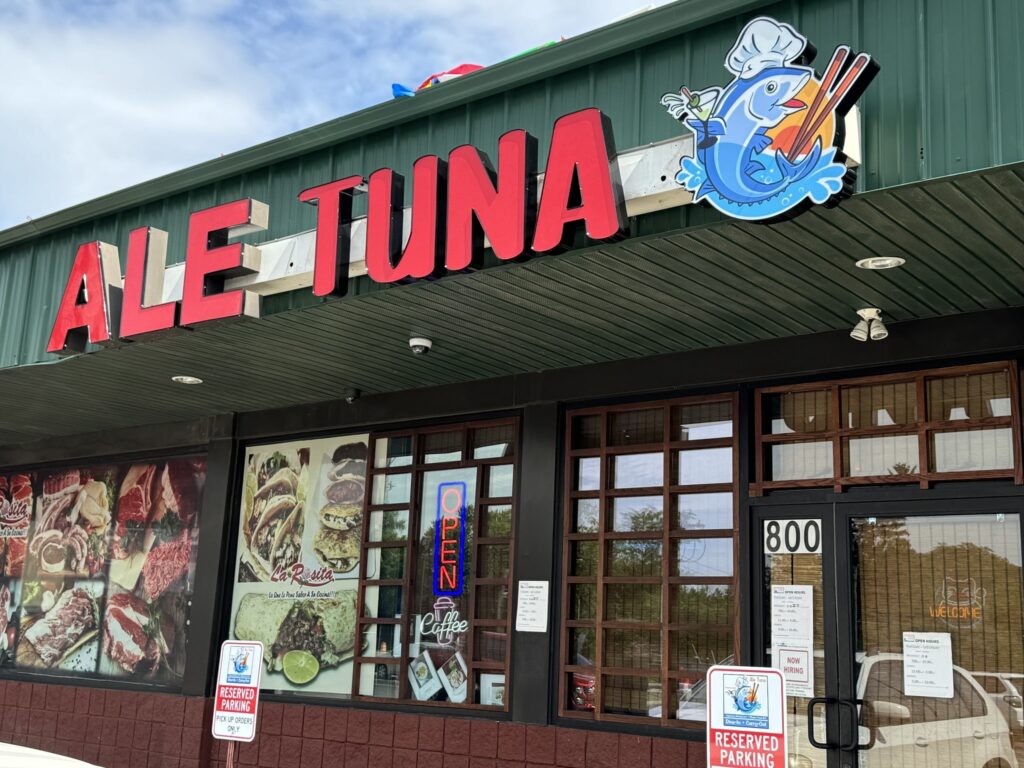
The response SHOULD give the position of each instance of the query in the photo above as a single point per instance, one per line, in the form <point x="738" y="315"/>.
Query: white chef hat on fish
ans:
<point x="764" y="43"/>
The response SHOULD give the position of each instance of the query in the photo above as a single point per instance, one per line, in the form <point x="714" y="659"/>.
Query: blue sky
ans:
<point x="101" y="95"/>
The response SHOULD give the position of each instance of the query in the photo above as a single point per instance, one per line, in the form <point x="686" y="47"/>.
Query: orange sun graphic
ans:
<point x="784" y="133"/>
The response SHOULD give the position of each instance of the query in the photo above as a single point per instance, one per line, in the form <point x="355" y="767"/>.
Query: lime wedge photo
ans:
<point x="300" y="667"/>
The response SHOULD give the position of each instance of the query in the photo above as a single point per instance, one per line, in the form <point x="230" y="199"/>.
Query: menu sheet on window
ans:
<point x="792" y="615"/>
<point x="928" y="664"/>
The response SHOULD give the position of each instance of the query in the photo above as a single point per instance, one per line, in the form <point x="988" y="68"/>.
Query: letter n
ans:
<point x="483" y="203"/>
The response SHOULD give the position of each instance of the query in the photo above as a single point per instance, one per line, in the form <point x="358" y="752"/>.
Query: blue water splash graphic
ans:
<point x="817" y="186"/>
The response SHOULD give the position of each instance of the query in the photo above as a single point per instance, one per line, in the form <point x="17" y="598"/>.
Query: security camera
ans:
<point x="419" y="345"/>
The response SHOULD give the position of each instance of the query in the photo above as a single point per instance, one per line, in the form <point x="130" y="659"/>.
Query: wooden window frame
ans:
<point x="599" y="580"/>
<point x="922" y="428"/>
<point x="416" y="469"/>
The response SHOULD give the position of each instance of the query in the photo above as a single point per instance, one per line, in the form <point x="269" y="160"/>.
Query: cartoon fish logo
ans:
<point x="744" y="695"/>
<point x="241" y="662"/>
<point x="770" y="142"/>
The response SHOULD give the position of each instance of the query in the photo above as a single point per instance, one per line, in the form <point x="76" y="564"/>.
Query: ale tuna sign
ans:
<point x="455" y="203"/>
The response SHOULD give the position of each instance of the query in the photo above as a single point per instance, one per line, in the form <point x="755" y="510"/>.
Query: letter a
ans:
<point x="90" y="310"/>
<point x="581" y="183"/>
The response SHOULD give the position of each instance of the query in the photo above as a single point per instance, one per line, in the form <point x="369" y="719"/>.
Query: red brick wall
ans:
<point x="146" y="730"/>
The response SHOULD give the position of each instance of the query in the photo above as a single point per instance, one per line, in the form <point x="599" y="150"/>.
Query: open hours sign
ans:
<point x="746" y="718"/>
<point x="450" y="539"/>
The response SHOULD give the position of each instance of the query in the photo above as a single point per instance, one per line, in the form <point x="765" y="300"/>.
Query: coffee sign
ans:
<point x="456" y="202"/>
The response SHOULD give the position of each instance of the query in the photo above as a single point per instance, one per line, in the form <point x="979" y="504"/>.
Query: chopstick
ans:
<point x="851" y="76"/>
<point x="832" y="71"/>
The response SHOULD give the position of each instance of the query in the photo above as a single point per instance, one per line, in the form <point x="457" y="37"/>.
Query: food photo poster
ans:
<point x="98" y="568"/>
<point x="300" y="534"/>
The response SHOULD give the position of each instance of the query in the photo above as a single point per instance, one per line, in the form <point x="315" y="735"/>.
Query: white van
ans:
<point x="13" y="756"/>
<point x="966" y="730"/>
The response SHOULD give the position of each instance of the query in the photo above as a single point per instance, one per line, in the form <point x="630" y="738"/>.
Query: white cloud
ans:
<point x="101" y="95"/>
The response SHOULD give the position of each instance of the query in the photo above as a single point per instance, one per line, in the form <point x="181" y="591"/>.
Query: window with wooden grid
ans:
<point x="434" y="605"/>
<point x="948" y="424"/>
<point x="649" y="590"/>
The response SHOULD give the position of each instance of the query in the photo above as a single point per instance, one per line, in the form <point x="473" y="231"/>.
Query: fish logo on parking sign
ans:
<point x="769" y="144"/>
<point x="241" y="666"/>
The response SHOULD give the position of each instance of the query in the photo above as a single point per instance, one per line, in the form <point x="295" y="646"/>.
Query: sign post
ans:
<point x="746" y="717"/>
<point x="238" y="691"/>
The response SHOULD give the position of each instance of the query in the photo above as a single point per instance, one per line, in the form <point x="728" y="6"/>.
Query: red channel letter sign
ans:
<point x="457" y="202"/>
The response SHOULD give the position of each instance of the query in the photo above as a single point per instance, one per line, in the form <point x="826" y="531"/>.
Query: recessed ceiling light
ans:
<point x="186" y="380"/>
<point x="881" y="262"/>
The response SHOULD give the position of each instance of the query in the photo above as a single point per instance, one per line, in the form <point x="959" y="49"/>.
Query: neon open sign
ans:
<point x="450" y="539"/>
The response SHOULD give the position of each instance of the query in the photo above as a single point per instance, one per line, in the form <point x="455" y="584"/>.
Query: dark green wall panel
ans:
<point x="948" y="100"/>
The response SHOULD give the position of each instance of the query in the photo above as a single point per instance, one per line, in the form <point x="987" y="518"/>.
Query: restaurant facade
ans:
<point x="501" y="413"/>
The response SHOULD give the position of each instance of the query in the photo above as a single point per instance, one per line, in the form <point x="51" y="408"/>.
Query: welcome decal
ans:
<point x="770" y="143"/>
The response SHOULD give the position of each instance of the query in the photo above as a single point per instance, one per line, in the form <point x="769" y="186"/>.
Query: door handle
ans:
<point x="810" y="722"/>
<point x="979" y="734"/>
<point x="921" y="741"/>
<point x="854" y="742"/>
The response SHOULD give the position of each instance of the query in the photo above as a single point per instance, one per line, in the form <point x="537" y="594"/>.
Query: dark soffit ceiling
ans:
<point x="724" y="284"/>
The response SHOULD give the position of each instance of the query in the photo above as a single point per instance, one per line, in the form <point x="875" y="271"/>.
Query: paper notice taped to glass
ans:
<point x="532" y="608"/>
<point x="928" y="664"/>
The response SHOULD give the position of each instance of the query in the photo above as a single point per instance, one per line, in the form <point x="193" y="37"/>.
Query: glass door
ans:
<point x="937" y="665"/>
<point x="798" y="633"/>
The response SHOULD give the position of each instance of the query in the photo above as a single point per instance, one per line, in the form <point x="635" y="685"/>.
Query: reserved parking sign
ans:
<point x="746" y="717"/>
<point x="238" y="691"/>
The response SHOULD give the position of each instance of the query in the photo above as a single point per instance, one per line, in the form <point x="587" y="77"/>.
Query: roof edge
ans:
<point x="601" y="43"/>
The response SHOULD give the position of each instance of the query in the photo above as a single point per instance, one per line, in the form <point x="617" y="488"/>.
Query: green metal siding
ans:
<point x="947" y="100"/>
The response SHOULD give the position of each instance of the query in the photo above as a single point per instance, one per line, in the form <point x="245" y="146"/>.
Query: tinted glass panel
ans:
<point x="888" y="455"/>
<point x="391" y="489"/>
<point x="393" y="452"/>
<point x="442" y="446"/>
<point x="633" y="602"/>
<point x="703" y="466"/>
<point x="636" y="427"/>
<point x="702" y="558"/>
<point x="586" y="432"/>
<point x="493" y="442"/>
<point x="879" y="405"/>
<point x="587" y="512"/>
<point x="976" y="396"/>
<point x="632" y="648"/>
<point x="588" y="474"/>
<point x="500" y="479"/>
<point x="631" y="695"/>
<point x="798" y="412"/>
<point x="971" y="450"/>
<point x="634" y="557"/>
<point x="706" y="421"/>
<point x="799" y="461"/>
<point x="701" y="604"/>
<point x="702" y="511"/>
<point x="635" y="513"/>
<point x="638" y="470"/>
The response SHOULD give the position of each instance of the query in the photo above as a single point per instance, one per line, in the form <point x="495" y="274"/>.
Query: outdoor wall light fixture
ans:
<point x="351" y="395"/>
<point x="186" y="380"/>
<point x="881" y="262"/>
<point x="870" y="325"/>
